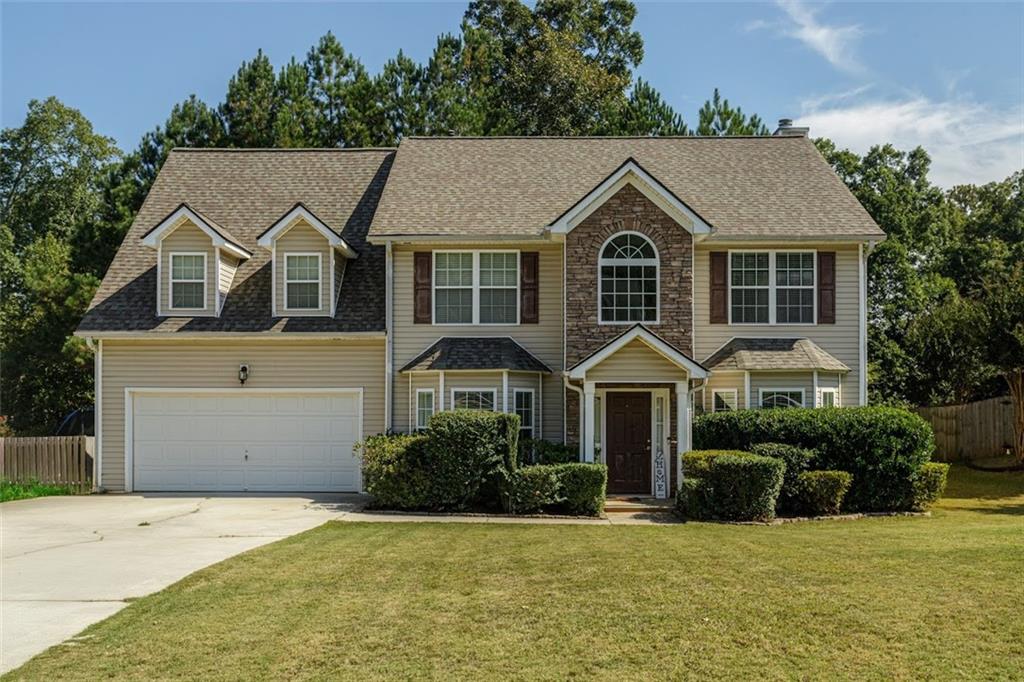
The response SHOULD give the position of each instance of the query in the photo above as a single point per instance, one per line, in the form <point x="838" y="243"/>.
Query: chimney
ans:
<point x="787" y="129"/>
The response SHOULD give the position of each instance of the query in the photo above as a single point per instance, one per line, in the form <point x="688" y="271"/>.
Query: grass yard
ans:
<point x="10" y="491"/>
<point x="886" y="598"/>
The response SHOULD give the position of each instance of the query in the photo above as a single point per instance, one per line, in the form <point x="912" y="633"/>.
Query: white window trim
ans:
<point x="641" y="262"/>
<point x="475" y="286"/>
<point x="772" y="287"/>
<point x="726" y="391"/>
<point x="171" y="280"/>
<point x="492" y="391"/>
<point x="781" y="389"/>
<point x="416" y="408"/>
<point x="533" y="409"/>
<point x="319" y="281"/>
<point x="835" y="396"/>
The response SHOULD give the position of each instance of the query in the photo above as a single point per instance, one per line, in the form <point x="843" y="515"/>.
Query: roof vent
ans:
<point x="787" y="129"/>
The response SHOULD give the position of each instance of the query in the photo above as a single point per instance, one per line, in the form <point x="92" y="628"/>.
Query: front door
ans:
<point x="628" y="446"/>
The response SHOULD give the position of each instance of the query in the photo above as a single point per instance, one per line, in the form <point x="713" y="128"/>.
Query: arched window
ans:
<point x="628" y="281"/>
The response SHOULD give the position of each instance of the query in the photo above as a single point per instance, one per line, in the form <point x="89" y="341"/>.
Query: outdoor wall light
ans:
<point x="243" y="374"/>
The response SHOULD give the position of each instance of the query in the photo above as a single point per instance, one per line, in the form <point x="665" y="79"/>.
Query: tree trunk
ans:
<point x="1016" y="382"/>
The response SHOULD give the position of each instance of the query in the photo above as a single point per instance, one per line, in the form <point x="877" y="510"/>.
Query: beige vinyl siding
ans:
<point x="228" y="267"/>
<point x="214" y="364"/>
<point x="544" y="339"/>
<point x="830" y="380"/>
<point x="303" y="238"/>
<point x="781" y="380"/>
<point x="636" y="362"/>
<point x="840" y="339"/>
<point x="190" y="239"/>
<point x="727" y="381"/>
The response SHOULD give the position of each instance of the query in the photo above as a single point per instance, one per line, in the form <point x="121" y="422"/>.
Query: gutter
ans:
<point x="230" y="336"/>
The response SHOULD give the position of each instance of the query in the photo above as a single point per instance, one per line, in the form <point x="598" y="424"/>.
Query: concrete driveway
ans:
<point x="71" y="561"/>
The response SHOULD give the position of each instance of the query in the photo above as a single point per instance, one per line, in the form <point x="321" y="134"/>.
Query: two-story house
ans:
<point x="269" y="308"/>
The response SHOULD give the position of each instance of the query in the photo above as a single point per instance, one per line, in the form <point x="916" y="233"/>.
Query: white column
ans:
<point x="589" y="394"/>
<point x="814" y="390"/>
<point x="440" y="398"/>
<point x="682" y="425"/>
<point x="746" y="390"/>
<point x="504" y="392"/>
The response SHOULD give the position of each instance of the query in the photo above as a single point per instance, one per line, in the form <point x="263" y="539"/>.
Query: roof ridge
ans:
<point x="283" y="149"/>
<point x="603" y="137"/>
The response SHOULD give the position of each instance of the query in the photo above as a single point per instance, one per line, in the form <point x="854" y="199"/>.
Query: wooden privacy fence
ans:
<point x="53" y="460"/>
<point x="966" y="432"/>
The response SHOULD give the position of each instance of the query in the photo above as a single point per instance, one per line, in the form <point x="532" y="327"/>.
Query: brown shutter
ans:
<point x="529" y="264"/>
<point x="422" y="271"/>
<point x="719" y="287"/>
<point x="826" y="287"/>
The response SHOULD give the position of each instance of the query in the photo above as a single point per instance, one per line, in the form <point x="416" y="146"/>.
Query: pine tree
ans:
<point x="717" y="117"/>
<point x="294" y="109"/>
<point x="343" y="94"/>
<point x="248" y="109"/>
<point x="646" y="113"/>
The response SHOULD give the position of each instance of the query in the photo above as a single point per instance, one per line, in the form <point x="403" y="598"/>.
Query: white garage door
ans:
<point x="256" y="441"/>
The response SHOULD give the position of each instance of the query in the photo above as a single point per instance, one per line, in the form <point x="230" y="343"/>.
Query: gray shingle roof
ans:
<point x="245" y="191"/>
<point x="773" y="354"/>
<point x="476" y="353"/>
<point x="746" y="187"/>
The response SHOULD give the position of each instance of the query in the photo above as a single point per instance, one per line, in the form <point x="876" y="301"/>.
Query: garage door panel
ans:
<point x="266" y="442"/>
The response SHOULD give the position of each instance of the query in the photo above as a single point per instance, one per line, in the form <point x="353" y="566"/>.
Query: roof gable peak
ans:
<point x="218" y="235"/>
<point x="300" y="212"/>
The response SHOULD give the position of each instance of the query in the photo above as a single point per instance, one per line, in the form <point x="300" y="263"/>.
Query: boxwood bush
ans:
<point x="883" y="447"/>
<point x="820" y="493"/>
<point x="540" y="451"/>
<point x="581" y="487"/>
<point x="472" y="454"/>
<point x="532" y="488"/>
<point x="929" y="484"/>
<point x="697" y="463"/>
<point x="396" y="471"/>
<point x="732" y="486"/>
<point x="798" y="460"/>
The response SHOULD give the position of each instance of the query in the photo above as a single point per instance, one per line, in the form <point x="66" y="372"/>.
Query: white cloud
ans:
<point x="968" y="142"/>
<point x="837" y="44"/>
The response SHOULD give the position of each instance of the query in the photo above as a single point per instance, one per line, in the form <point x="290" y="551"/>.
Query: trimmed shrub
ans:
<point x="539" y="451"/>
<point x="821" y="493"/>
<point x="733" y="486"/>
<point x="396" y="471"/>
<point x="929" y="484"/>
<point x="697" y="463"/>
<point x="798" y="460"/>
<point x="532" y="488"/>
<point x="883" y="447"/>
<point x="581" y="487"/>
<point x="471" y="452"/>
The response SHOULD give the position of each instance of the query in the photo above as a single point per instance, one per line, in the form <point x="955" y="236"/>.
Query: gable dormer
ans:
<point x="196" y="263"/>
<point x="308" y="263"/>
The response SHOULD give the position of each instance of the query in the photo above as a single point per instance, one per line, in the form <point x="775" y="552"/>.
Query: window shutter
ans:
<point x="719" y="287"/>
<point x="529" y="266"/>
<point x="421" y="279"/>
<point x="826" y="287"/>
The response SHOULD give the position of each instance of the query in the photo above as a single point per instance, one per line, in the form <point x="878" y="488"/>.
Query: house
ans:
<point x="269" y="308"/>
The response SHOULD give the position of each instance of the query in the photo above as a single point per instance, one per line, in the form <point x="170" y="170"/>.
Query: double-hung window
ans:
<point x="524" y="408"/>
<point x="188" y="281"/>
<point x="476" y="287"/>
<point x="723" y="400"/>
<point x="424" y="407"/>
<point x="829" y="397"/>
<point x="771" y="287"/>
<point x="302" y="281"/>
<point x="474" y="399"/>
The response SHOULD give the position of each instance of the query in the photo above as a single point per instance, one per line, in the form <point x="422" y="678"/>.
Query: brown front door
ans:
<point x="628" y="447"/>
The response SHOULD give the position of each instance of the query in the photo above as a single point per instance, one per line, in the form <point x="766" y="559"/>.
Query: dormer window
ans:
<point x="302" y="281"/>
<point x="188" y="281"/>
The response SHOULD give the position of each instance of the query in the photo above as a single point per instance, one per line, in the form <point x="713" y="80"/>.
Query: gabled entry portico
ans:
<point x="629" y="387"/>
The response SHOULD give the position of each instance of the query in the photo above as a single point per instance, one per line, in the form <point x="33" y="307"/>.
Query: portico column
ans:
<point x="682" y="426"/>
<point x="589" y="395"/>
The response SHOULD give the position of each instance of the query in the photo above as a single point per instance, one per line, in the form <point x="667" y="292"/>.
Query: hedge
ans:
<point x="929" y="484"/>
<point x="883" y="447"/>
<point x="697" y="463"/>
<point x="531" y="489"/>
<point x="821" y="493"/>
<point x="396" y="471"/>
<point x="731" y="486"/>
<point x="798" y="460"/>
<point x="539" y="451"/>
<point x="582" y="487"/>
<point x="472" y="453"/>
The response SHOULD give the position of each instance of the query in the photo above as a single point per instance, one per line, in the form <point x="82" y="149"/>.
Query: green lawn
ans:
<point x="885" y="598"/>
<point x="10" y="491"/>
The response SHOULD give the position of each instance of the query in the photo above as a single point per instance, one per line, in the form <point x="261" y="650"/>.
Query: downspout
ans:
<point x="388" y="341"/>
<point x="579" y="393"/>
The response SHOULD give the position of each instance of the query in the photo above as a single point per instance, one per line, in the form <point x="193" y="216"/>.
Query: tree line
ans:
<point x="68" y="194"/>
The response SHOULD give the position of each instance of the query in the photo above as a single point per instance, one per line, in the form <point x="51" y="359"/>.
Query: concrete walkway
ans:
<point x="68" y="562"/>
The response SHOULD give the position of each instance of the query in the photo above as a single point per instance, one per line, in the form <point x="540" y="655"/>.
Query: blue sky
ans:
<point x="949" y="76"/>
